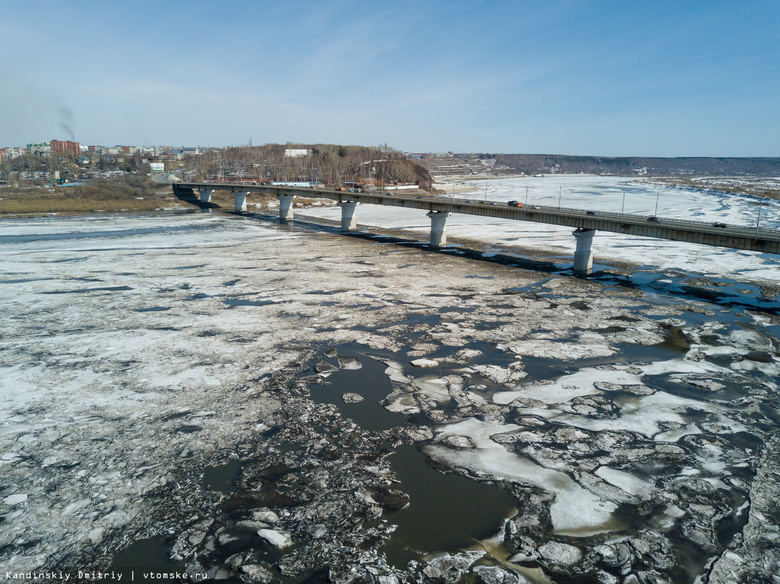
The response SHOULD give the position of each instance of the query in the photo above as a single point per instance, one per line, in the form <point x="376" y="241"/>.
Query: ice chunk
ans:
<point x="425" y="363"/>
<point x="276" y="538"/>
<point x="575" y="511"/>
<point x="15" y="499"/>
<point x="626" y="481"/>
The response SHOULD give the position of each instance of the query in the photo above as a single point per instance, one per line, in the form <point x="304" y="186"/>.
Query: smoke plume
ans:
<point x="66" y="122"/>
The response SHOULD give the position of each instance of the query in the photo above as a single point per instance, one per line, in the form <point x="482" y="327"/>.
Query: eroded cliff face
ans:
<point x="196" y="382"/>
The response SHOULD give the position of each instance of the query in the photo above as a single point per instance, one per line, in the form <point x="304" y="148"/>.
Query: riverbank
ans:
<point x="108" y="197"/>
<point x="757" y="187"/>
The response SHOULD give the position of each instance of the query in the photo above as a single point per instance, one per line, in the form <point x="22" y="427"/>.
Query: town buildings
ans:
<point x="65" y="147"/>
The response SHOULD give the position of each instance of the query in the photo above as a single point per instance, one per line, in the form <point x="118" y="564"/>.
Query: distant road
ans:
<point x="165" y="178"/>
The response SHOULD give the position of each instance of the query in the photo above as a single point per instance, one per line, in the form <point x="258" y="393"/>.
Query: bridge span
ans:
<point x="585" y="223"/>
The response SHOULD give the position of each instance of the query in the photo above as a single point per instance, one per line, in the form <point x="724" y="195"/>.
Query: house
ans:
<point x="296" y="152"/>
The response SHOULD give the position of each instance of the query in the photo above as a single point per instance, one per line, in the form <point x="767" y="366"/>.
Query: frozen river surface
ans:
<point x="635" y="431"/>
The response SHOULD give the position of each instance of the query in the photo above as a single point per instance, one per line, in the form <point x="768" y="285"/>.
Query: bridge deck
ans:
<point x="763" y="240"/>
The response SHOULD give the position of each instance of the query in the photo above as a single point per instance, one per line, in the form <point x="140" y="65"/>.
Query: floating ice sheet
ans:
<point x="575" y="511"/>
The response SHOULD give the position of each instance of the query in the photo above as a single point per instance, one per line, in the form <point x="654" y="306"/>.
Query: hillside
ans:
<point x="638" y="166"/>
<point x="462" y="164"/>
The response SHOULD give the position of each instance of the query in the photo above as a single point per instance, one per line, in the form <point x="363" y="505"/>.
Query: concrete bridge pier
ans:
<point x="348" y="221"/>
<point x="285" y="207"/>
<point x="438" y="223"/>
<point x="583" y="256"/>
<point x="205" y="195"/>
<point x="240" y="199"/>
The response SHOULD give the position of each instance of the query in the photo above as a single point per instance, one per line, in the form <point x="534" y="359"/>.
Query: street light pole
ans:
<point x="560" y="194"/>
<point x="657" y="194"/>
<point x="623" y="206"/>
<point x="758" y="221"/>
<point x="526" y="196"/>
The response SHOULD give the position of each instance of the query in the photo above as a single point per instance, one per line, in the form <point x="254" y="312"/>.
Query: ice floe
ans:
<point x="575" y="510"/>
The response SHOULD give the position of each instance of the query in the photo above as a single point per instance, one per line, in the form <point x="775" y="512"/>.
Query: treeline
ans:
<point x="331" y="164"/>
<point x="635" y="165"/>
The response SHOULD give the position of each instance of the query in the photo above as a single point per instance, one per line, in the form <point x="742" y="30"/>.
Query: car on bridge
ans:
<point x="653" y="219"/>
<point x="719" y="224"/>
<point x="514" y="204"/>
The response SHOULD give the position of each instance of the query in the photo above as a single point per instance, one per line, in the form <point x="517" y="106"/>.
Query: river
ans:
<point x="195" y="381"/>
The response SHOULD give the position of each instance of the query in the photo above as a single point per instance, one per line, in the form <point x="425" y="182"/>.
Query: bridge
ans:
<point x="585" y="223"/>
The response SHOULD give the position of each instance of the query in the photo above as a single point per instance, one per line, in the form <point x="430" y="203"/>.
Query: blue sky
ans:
<point x="611" y="78"/>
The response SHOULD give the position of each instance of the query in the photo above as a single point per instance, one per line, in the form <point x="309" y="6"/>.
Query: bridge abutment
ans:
<point x="583" y="256"/>
<point x="348" y="222"/>
<point x="285" y="207"/>
<point x="240" y="199"/>
<point x="438" y="224"/>
<point x="205" y="195"/>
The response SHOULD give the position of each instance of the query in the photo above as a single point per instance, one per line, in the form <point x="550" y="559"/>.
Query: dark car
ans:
<point x="590" y="212"/>
<point x="653" y="219"/>
<point x="719" y="224"/>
